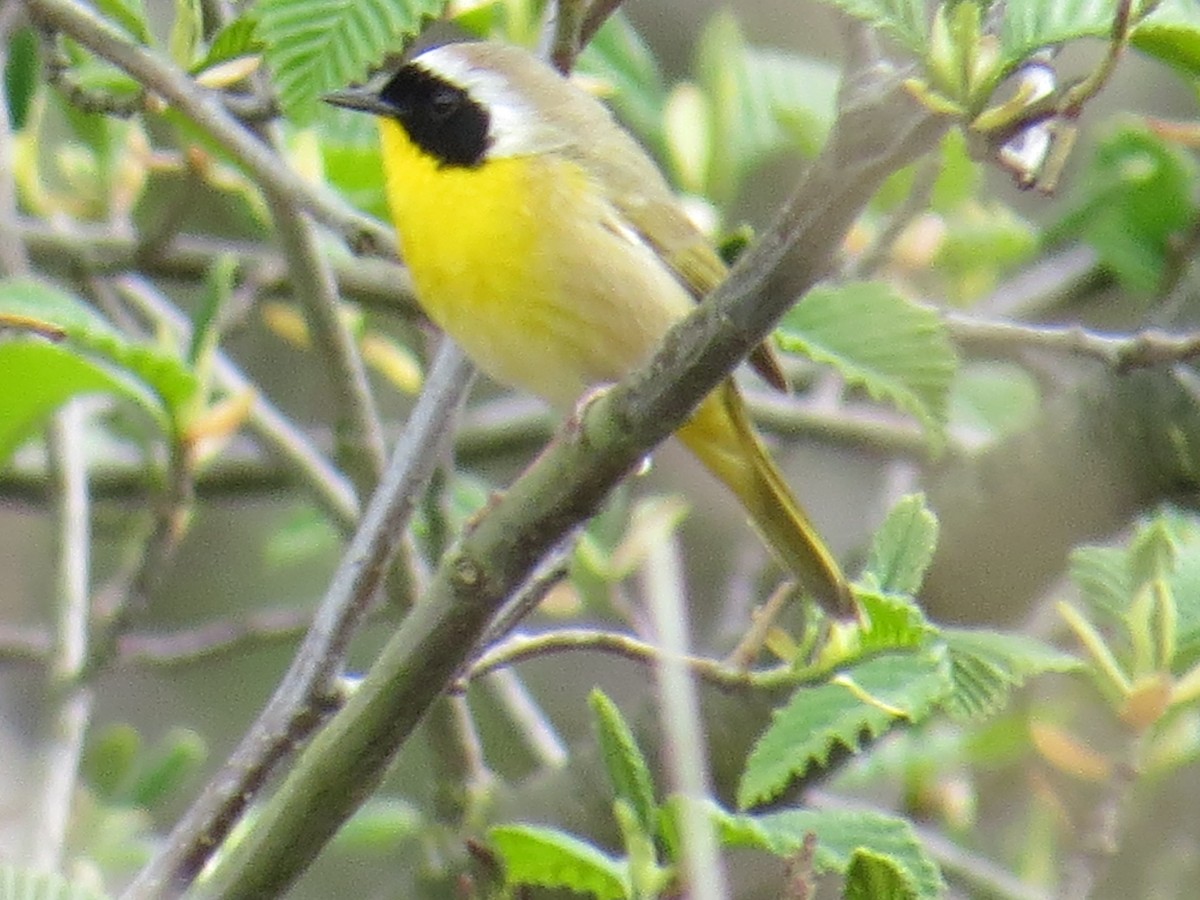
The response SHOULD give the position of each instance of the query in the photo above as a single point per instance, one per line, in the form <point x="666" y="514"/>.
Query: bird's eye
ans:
<point x="443" y="103"/>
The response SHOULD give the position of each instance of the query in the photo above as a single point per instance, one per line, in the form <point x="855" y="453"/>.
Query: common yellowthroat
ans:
<point x="542" y="238"/>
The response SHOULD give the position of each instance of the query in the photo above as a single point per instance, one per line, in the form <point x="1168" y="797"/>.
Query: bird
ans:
<point x="544" y="240"/>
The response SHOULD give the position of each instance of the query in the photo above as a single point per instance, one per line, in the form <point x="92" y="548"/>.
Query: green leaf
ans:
<point x="893" y="622"/>
<point x="234" y="39"/>
<point x="17" y="883"/>
<point x="176" y="759"/>
<point x="903" y="20"/>
<point x="1172" y="34"/>
<point x="620" y="59"/>
<point x="1102" y="576"/>
<point x="379" y="826"/>
<point x="1136" y="201"/>
<point x="902" y="547"/>
<point x="543" y="857"/>
<point x="986" y="665"/>
<point x="48" y="375"/>
<point x="108" y="762"/>
<point x="313" y="46"/>
<point x="1030" y="25"/>
<point x="186" y="32"/>
<point x="992" y="400"/>
<point x="842" y="833"/>
<point x="129" y="14"/>
<point x="896" y="349"/>
<point x="22" y="75"/>
<point x="760" y="102"/>
<point x="875" y="877"/>
<point x="982" y="242"/>
<point x="861" y="701"/>
<point x="623" y="759"/>
<point x="85" y="332"/>
<point x="306" y="533"/>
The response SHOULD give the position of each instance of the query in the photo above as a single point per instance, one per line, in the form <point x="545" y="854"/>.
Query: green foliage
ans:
<point x="872" y="876"/>
<point x="313" y="47"/>
<point x="234" y="39"/>
<point x="985" y="666"/>
<point x="17" y="883"/>
<point x="1171" y="33"/>
<point x="862" y="701"/>
<point x="90" y="356"/>
<point x="902" y="20"/>
<point x="627" y="769"/>
<point x="1029" y="25"/>
<point x="546" y="858"/>
<point x="902" y="548"/>
<point x="1135" y="201"/>
<point x="633" y="85"/>
<point x="992" y="400"/>
<point x="22" y="73"/>
<point x="896" y="349"/>
<point x="379" y="826"/>
<point x="749" y="109"/>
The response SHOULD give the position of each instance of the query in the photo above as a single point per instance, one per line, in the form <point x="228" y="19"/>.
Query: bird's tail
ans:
<point x="719" y="433"/>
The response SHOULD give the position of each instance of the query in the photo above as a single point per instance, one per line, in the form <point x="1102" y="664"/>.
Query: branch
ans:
<point x="100" y="249"/>
<point x="878" y="130"/>
<point x="1121" y="353"/>
<point x="300" y="702"/>
<point x="358" y="435"/>
<point x="72" y="706"/>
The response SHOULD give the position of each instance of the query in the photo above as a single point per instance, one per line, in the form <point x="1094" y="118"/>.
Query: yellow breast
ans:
<point x="522" y="261"/>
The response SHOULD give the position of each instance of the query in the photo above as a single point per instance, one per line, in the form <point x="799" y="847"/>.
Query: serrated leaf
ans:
<point x="1172" y="34"/>
<point x="1102" y="576"/>
<point x="862" y="701"/>
<point x="543" y="857"/>
<point x="48" y="310"/>
<point x="1032" y="24"/>
<point x="623" y="759"/>
<point x="895" y="348"/>
<point x="841" y="834"/>
<point x="891" y="623"/>
<point x="875" y="877"/>
<point x="312" y="46"/>
<point x="903" y="20"/>
<point x="17" y="883"/>
<point x="621" y="60"/>
<point x="902" y="547"/>
<point x="986" y="665"/>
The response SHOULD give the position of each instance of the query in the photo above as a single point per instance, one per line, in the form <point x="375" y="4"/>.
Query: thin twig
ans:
<point x="358" y="432"/>
<point x="298" y="704"/>
<point x="1121" y="353"/>
<point x="71" y="707"/>
<point x="684" y="741"/>
<point x="329" y="487"/>
<point x="380" y="284"/>
<point x="188" y="646"/>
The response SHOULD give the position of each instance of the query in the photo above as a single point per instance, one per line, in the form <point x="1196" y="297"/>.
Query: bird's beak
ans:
<point x="363" y="99"/>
